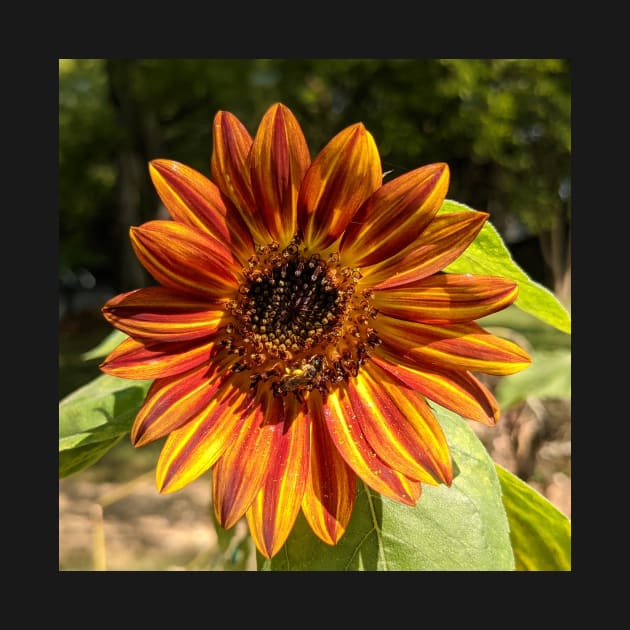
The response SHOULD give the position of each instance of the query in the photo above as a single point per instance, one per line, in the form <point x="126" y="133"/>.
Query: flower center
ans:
<point x="299" y="323"/>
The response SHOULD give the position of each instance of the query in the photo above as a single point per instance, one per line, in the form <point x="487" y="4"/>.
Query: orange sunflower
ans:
<point x="300" y="323"/>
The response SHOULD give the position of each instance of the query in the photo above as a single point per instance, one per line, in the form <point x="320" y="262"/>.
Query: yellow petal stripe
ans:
<point x="458" y="391"/>
<point x="444" y="239"/>
<point x="161" y="314"/>
<point x="132" y="359"/>
<point x="345" y="431"/>
<point x="195" y="447"/>
<point x="172" y="401"/>
<point x="182" y="258"/>
<point x="458" y="346"/>
<point x="240" y="471"/>
<point x="342" y="176"/>
<point x="194" y="200"/>
<point x="275" y="508"/>
<point x="230" y="170"/>
<point x="400" y="427"/>
<point x="279" y="158"/>
<point x="394" y="215"/>
<point x="329" y="494"/>
<point x="445" y="298"/>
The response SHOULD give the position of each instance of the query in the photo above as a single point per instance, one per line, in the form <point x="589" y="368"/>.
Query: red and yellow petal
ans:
<point x="458" y="391"/>
<point x="240" y="471"/>
<point x="272" y="514"/>
<point x="400" y="427"/>
<point x="278" y="158"/>
<point x="194" y="200"/>
<point x="195" y="447"/>
<point x="458" y="346"/>
<point x="156" y="314"/>
<point x="446" y="298"/>
<point x="172" y="401"/>
<point x="134" y="360"/>
<point x="230" y="171"/>
<point x="330" y="489"/>
<point x="394" y="216"/>
<point x="182" y="258"/>
<point x="341" y="177"/>
<point x="443" y="240"/>
<point x="349" y="439"/>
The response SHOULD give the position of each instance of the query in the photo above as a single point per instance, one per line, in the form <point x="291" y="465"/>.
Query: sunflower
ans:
<point x="300" y="323"/>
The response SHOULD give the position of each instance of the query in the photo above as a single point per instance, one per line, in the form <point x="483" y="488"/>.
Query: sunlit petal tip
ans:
<point x="162" y="165"/>
<point x="278" y="160"/>
<point x="394" y="216"/>
<point x="440" y="243"/>
<point x="340" y="178"/>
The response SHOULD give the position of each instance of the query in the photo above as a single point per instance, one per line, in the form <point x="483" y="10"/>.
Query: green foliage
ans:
<point x="94" y="417"/>
<point x="488" y="255"/>
<point x="461" y="528"/>
<point x="540" y="533"/>
<point x="88" y="143"/>
<point x="107" y="345"/>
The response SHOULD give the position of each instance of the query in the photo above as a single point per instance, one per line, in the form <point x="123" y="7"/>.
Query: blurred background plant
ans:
<point x="503" y="126"/>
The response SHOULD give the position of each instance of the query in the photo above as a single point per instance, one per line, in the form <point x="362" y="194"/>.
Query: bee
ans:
<point x="303" y="378"/>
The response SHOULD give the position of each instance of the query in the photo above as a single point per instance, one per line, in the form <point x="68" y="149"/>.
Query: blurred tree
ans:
<point x="503" y="125"/>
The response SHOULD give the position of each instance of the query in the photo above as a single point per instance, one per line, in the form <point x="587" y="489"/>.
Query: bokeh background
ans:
<point x="502" y="125"/>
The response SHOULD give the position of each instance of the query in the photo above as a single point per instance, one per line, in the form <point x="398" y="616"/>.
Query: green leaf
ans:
<point x="94" y="417"/>
<point x="461" y="528"/>
<point x="488" y="255"/>
<point x="76" y="459"/>
<point x="549" y="376"/>
<point x="540" y="533"/>
<point x="106" y="346"/>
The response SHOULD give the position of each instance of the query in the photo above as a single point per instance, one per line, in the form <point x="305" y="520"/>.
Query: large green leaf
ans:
<point x="540" y="533"/>
<point x="488" y="255"/>
<point x="76" y="459"/>
<point x="461" y="528"/>
<point x="94" y="417"/>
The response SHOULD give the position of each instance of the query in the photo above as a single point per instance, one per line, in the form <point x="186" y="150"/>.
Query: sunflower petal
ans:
<point x="394" y="215"/>
<point x="443" y="240"/>
<point x="134" y="360"/>
<point x="240" y="471"/>
<point x="279" y="158"/>
<point x="182" y="258"/>
<point x="229" y="169"/>
<point x="329" y="495"/>
<point x="458" y="346"/>
<point x="352" y="444"/>
<point x="171" y="402"/>
<point x="194" y="200"/>
<point x="342" y="176"/>
<point x="159" y="314"/>
<point x="460" y="392"/>
<point x="446" y="298"/>
<point x="400" y="427"/>
<point x="275" y="508"/>
<point x="196" y="446"/>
